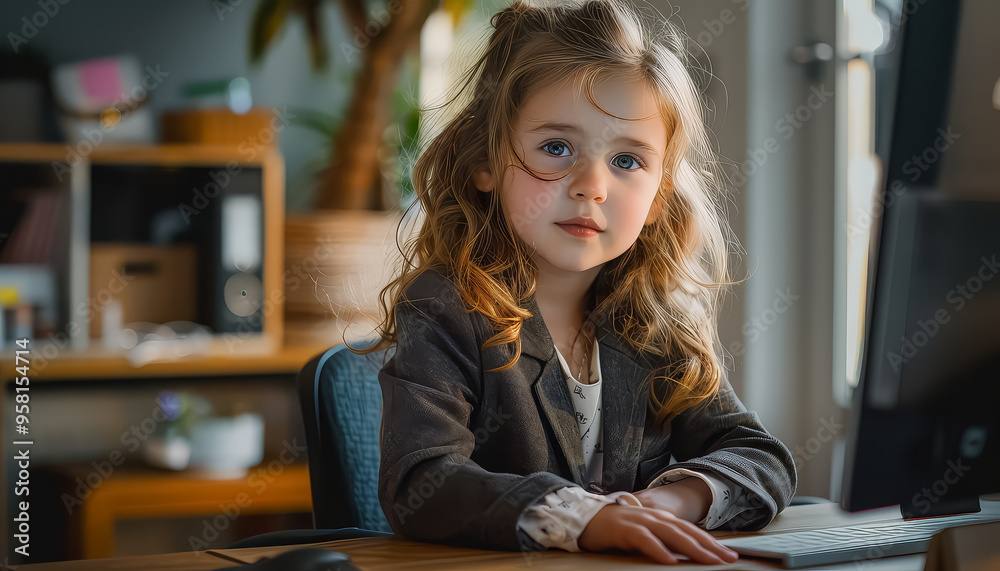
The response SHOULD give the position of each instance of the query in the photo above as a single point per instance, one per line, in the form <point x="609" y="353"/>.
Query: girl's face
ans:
<point x="614" y="166"/>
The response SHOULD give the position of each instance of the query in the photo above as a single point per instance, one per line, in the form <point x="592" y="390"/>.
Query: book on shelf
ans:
<point x="39" y="235"/>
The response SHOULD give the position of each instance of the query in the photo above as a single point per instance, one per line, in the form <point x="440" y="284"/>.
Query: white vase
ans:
<point x="170" y="452"/>
<point x="227" y="446"/>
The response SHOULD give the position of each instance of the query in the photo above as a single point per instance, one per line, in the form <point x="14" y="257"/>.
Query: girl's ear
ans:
<point x="483" y="180"/>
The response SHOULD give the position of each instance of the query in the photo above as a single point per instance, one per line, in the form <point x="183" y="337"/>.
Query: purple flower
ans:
<point x="170" y="403"/>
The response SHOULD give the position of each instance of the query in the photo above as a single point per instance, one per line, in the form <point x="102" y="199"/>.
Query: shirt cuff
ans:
<point x="560" y="518"/>
<point x="727" y="497"/>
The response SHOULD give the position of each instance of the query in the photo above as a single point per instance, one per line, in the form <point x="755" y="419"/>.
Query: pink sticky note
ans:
<point x="100" y="79"/>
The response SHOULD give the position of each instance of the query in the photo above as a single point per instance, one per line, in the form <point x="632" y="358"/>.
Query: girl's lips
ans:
<point x="580" y="231"/>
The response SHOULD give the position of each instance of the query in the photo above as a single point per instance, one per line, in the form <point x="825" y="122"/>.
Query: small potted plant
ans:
<point x="190" y="434"/>
<point x="170" y="444"/>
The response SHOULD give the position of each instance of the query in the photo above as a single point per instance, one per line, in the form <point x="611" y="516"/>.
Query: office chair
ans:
<point x="342" y="410"/>
<point x="341" y="404"/>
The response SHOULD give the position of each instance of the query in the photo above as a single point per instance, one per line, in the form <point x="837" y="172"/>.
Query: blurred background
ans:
<point x="196" y="197"/>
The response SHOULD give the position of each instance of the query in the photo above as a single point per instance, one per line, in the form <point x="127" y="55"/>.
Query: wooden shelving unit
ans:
<point x="100" y="364"/>
<point x="77" y="356"/>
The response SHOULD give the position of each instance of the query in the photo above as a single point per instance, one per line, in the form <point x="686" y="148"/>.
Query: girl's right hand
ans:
<point x="658" y="534"/>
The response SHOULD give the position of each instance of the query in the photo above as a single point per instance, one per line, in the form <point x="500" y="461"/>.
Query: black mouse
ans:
<point x="304" y="559"/>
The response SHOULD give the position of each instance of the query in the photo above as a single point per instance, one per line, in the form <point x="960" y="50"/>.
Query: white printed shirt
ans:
<point x="560" y="518"/>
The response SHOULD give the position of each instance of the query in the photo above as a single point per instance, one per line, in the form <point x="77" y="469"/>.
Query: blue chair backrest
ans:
<point x="342" y="410"/>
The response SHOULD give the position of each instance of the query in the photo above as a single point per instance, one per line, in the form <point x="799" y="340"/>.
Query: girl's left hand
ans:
<point x="688" y="499"/>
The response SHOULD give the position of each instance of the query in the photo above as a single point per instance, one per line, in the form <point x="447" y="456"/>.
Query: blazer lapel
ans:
<point x="624" y="396"/>
<point x="551" y="391"/>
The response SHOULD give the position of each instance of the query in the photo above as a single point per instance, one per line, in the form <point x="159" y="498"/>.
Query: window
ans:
<point x="870" y="28"/>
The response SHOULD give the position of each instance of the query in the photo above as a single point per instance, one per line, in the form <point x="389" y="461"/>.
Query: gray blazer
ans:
<point x="466" y="451"/>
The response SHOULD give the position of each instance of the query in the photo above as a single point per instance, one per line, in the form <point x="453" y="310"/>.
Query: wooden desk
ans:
<point x="377" y="554"/>
<point x="188" y="561"/>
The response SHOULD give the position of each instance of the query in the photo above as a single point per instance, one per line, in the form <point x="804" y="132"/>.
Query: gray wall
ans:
<point x="791" y="200"/>
<point x="718" y="29"/>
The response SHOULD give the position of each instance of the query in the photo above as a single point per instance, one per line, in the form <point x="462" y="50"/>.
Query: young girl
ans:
<point x="557" y="378"/>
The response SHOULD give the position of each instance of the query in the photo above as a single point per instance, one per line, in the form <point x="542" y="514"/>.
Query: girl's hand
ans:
<point x="688" y="499"/>
<point x="658" y="534"/>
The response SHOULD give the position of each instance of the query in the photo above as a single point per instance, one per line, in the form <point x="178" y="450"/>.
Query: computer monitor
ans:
<point x="926" y="413"/>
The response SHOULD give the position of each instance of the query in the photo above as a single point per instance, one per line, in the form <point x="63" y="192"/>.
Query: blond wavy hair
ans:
<point x="663" y="294"/>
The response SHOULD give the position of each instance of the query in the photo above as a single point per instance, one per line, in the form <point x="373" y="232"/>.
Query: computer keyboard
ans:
<point x="846" y="544"/>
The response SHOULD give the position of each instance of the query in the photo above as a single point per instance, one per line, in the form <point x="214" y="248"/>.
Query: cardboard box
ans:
<point x="152" y="283"/>
<point x="219" y="126"/>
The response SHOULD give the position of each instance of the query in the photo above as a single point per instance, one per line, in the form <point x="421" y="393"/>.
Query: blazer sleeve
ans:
<point x="725" y="439"/>
<point x="429" y="488"/>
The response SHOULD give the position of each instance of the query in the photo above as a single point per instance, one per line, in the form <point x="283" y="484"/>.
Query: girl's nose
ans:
<point x="588" y="181"/>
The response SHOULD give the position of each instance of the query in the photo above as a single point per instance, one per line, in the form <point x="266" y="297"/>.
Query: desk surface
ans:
<point x="376" y="554"/>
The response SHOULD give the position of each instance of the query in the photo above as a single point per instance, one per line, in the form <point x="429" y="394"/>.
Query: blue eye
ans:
<point x="557" y="145"/>
<point x="629" y="157"/>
